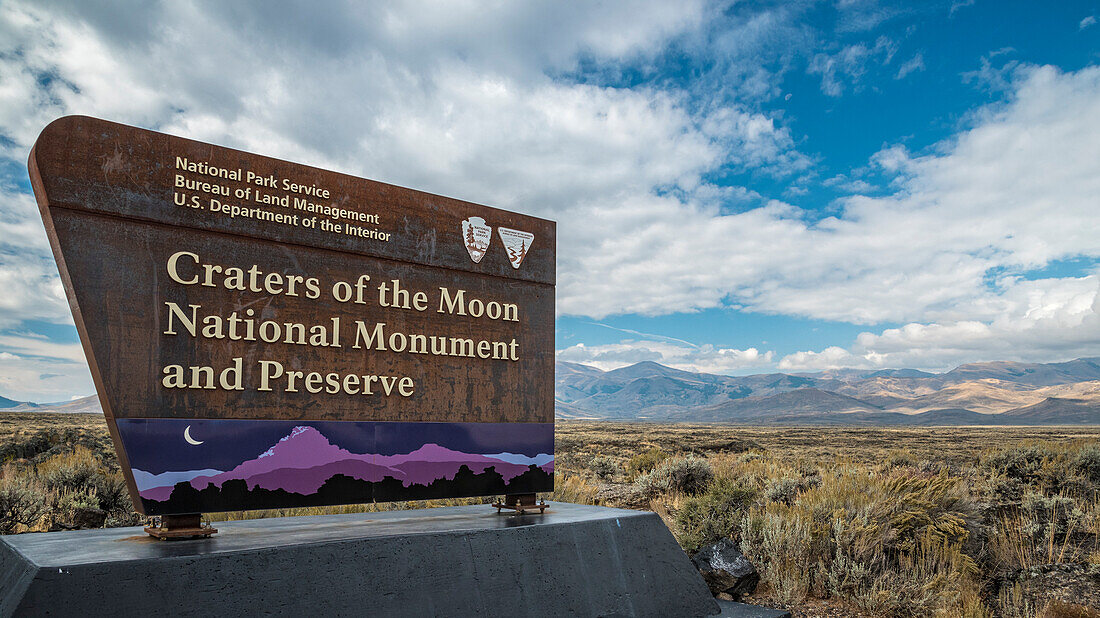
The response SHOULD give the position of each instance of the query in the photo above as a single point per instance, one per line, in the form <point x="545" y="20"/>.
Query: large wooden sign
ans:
<point x="265" y="334"/>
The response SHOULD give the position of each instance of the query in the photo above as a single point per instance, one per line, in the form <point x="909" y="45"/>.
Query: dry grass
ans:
<point x="875" y="522"/>
<point x="964" y="522"/>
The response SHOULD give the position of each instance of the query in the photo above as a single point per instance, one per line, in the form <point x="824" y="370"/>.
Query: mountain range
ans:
<point x="81" y="405"/>
<point x="992" y="393"/>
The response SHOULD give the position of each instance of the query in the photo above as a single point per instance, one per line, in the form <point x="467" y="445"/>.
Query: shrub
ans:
<point x="1020" y="463"/>
<point x="777" y="542"/>
<point x="928" y="578"/>
<point x="1087" y="462"/>
<point x="43" y="444"/>
<point x="782" y="489"/>
<point x="936" y="506"/>
<point x="712" y="515"/>
<point x="603" y="467"/>
<point x="23" y="501"/>
<point x="898" y="458"/>
<point x="573" y="488"/>
<point x="857" y="556"/>
<point x="113" y="495"/>
<point x="1040" y="531"/>
<point x="65" y="504"/>
<point x="78" y="470"/>
<point x="80" y="473"/>
<point x="1015" y="602"/>
<point x="686" y="475"/>
<point x="645" y="461"/>
<point x="749" y="457"/>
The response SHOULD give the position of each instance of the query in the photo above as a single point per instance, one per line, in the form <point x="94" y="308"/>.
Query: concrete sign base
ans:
<point x="454" y="561"/>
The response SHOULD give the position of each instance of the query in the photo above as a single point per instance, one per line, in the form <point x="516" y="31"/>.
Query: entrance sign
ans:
<point x="265" y="334"/>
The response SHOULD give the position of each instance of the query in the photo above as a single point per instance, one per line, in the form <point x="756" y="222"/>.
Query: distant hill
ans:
<point x="1050" y="374"/>
<point x="1055" y="411"/>
<point x="84" y="405"/>
<point x="994" y="393"/>
<point x="793" y="403"/>
<point x="8" y="403"/>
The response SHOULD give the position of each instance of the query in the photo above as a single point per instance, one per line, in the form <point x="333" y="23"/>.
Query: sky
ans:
<point x="739" y="187"/>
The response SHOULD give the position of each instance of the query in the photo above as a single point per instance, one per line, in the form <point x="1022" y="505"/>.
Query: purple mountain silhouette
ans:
<point x="160" y="494"/>
<point x="431" y="462"/>
<point x="303" y="460"/>
<point x="433" y="452"/>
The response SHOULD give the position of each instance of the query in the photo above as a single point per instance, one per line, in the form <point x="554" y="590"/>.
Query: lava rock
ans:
<point x="1077" y="584"/>
<point x="88" y="517"/>
<point x="622" y="496"/>
<point x="726" y="569"/>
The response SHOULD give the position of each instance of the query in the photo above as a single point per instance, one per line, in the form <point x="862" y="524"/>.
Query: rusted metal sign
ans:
<point x="265" y="334"/>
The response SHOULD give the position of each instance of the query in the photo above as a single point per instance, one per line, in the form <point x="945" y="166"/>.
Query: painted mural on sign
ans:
<point x="213" y="465"/>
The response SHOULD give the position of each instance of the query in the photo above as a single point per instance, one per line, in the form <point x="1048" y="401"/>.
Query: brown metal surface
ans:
<point x="521" y="504"/>
<point x="186" y="526"/>
<point x="107" y="196"/>
<point x="113" y="169"/>
<point x="127" y="340"/>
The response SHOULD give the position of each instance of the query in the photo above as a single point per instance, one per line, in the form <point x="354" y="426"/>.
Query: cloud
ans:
<point x="519" y="109"/>
<point x="916" y="63"/>
<point x="28" y="274"/>
<point x="863" y="15"/>
<point x="486" y="105"/>
<point x="42" y="380"/>
<point x="1038" y="321"/>
<point x="1086" y="22"/>
<point x="42" y="371"/>
<point x="45" y="349"/>
<point x="704" y="358"/>
<point x="1013" y="193"/>
<point x="959" y="4"/>
<point x="995" y="79"/>
<point x="847" y="67"/>
<point x="472" y="109"/>
<point x="830" y="358"/>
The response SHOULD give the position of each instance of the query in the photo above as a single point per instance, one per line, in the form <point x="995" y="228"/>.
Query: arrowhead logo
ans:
<point x="477" y="236"/>
<point x="516" y="243"/>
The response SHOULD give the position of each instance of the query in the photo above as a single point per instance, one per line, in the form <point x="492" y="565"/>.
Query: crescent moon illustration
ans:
<point x="190" y="440"/>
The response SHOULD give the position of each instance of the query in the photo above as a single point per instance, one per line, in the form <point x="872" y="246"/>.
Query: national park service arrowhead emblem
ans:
<point x="477" y="236"/>
<point x="516" y="243"/>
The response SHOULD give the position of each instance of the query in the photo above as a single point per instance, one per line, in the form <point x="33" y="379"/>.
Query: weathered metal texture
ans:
<point x="521" y="504"/>
<point x="108" y="197"/>
<point x="118" y="268"/>
<point x="175" y="527"/>
<point x="98" y="166"/>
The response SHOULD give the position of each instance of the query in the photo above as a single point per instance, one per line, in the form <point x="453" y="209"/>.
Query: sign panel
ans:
<point x="264" y="334"/>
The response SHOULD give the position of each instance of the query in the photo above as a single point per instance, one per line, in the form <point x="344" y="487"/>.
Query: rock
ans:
<point x="1077" y="584"/>
<point x="726" y="569"/>
<point x="622" y="496"/>
<point x="89" y="517"/>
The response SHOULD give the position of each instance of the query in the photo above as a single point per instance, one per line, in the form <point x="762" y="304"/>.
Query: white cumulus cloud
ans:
<point x="492" y="104"/>
<point x="703" y="358"/>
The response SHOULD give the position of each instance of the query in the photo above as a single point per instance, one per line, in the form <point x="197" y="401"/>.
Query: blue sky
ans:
<point x="739" y="187"/>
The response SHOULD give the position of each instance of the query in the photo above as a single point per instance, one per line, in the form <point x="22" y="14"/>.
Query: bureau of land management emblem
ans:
<point x="516" y="243"/>
<point x="477" y="235"/>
